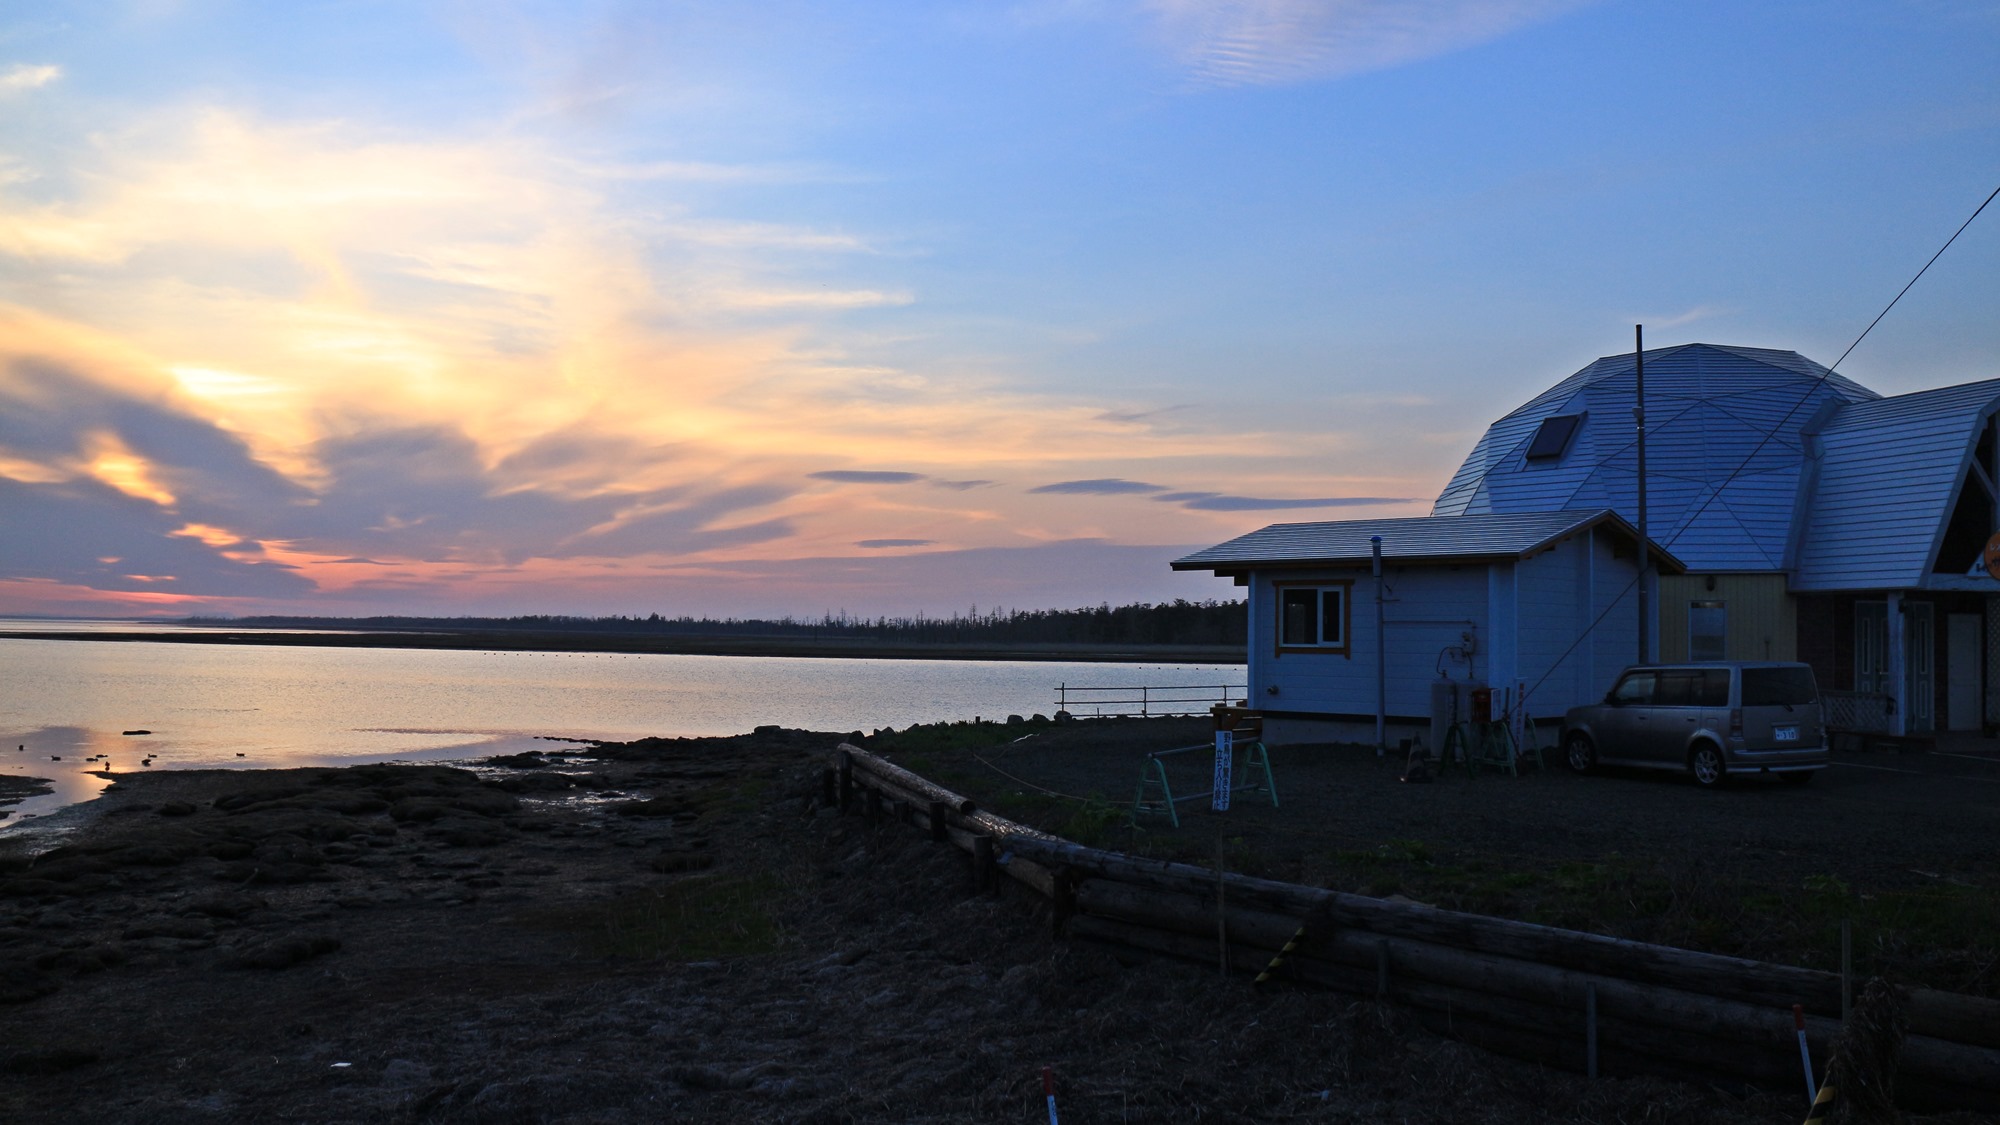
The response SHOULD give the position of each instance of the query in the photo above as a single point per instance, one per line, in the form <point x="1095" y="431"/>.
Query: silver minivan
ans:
<point x="1713" y="720"/>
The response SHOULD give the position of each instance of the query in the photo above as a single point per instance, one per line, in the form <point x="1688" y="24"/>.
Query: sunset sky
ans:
<point x="358" y="307"/>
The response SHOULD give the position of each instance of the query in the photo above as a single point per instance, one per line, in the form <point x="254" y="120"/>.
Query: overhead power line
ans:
<point x="1818" y="382"/>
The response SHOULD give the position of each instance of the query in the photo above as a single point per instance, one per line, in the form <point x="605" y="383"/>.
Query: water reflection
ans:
<point x="237" y="706"/>
<point x="84" y="771"/>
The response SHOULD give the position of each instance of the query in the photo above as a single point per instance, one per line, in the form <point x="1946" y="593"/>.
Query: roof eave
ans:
<point x="1663" y="559"/>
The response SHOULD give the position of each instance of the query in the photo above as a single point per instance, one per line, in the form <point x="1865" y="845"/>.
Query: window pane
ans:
<point x="1707" y="627"/>
<point x="1333" y="626"/>
<point x="1298" y="611"/>
<point x="1552" y="437"/>
<point x="1635" y="688"/>
<point x="1770" y="687"/>
<point x="1714" y="688"/>
<point x="1676" y="688"/>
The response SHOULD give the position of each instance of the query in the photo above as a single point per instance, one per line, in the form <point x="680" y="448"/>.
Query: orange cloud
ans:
<point x="441" y="357"/>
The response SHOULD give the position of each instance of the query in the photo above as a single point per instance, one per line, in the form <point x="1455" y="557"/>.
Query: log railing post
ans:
<point x="846" y="781"/>
<point x="937" y="822"/>
<point x="982" y="862"/>
<point x="1846" y="968"/>
<point x="1064" y="900"/>
<point x="874" y="805"/>
<point x="899" y="811"/>
<point x="829" y="788"/>
<point x="1590" y="1029"/>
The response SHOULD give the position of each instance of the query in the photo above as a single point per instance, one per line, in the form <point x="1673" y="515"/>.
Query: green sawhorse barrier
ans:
<point x="1491" y="745"/>
<point x="1250" y="772"/>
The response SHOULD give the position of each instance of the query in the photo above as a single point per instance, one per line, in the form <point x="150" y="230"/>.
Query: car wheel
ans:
<point x="1706" y="766"/>
<point x="1578" y="752"/>
<point x="1802" y="777"/>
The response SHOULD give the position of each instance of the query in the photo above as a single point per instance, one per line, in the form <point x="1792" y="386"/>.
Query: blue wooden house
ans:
<point x="1795" y="514"/>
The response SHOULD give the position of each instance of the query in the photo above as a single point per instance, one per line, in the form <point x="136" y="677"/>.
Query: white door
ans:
<point x="1961" y="671"/>
<point x="1920" y="666"/>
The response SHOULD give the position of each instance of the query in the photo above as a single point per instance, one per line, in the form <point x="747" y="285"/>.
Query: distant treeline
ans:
<point x="1179" y="622"/>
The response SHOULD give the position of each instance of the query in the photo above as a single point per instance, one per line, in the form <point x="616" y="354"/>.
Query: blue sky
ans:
<point x="365" y="307"/>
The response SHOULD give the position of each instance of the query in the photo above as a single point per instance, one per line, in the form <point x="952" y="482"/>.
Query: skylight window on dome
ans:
<point x="1553" y="436"/>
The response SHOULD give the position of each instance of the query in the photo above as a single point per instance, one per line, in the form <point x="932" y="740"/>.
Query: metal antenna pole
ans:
<point x="1381" y="659"/>
<point x="1645" y="544"/>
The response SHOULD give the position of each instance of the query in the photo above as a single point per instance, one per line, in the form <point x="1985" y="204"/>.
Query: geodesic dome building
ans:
<point x="1725" y="447"/>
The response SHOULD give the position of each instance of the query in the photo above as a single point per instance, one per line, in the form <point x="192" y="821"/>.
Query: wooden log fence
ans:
<point x="1580" y="1001"/>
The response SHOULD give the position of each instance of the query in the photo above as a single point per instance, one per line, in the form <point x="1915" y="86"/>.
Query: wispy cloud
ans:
<point x="705" y="172"/>
<point x="1217" y="502"/>
<point x="883" y="544"/>
<point x="1131" y="416"/>
<point x="1697" y="313"/>
<point x="24" y="76"/>
<point x="890" y="476"/>
<point x="1272" y="42"/>
<point x="866" y="476"/>
<point x="1102" y="486"/>
<point x="817" y="299"/>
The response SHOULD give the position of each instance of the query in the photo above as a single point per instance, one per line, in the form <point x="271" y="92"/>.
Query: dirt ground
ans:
<point x="670" y="930"/>
<point x="1899" y="844"/>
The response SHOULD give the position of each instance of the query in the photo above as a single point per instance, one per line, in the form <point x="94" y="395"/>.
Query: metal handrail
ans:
<point x="1147" y="701"/>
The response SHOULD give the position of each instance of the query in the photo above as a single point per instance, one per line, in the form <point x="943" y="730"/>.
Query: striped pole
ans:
<point x="1805" y="1053"/>
<point x="1822" y="1107"/>
<point x="1280" y="958"/>
<point x="1049" y="1091"/>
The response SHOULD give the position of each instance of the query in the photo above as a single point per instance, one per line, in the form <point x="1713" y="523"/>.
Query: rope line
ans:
<point x="1019" y="781"/>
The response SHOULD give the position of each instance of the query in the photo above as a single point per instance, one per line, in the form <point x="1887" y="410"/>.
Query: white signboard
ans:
<point x="1225" y="749"/>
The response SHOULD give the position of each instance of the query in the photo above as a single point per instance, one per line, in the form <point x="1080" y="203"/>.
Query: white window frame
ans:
<point x="1343" y="590"/>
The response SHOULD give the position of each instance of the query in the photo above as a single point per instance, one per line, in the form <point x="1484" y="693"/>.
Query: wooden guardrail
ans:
<point x="1559" y="997"/>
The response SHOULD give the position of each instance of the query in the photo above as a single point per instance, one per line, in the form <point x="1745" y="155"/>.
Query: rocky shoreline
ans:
<point x="659" y="930"/>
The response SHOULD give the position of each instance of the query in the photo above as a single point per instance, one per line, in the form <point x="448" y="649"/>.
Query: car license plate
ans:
<point x="1785" y="734"/>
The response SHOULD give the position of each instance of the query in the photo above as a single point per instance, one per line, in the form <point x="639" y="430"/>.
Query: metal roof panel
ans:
<point x="1888" y="473"/>
<point x="1406" y="539"/>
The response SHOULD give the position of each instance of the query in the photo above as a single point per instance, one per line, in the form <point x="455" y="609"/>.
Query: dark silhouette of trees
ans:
<point x="1179" y="622"/>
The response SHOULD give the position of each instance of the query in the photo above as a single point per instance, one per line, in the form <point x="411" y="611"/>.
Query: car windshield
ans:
<point x="1773" y="687"/>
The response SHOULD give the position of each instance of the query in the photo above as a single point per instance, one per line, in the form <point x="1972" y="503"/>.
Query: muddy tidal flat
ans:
<point x="656" y="930"/>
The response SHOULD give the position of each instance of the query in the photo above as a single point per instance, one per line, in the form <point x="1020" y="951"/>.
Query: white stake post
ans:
<point x="1805" y="1053"/>
<point x="1225" y="772"/>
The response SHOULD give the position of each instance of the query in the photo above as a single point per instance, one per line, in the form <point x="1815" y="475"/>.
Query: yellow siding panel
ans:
<point x="1762" y="619"/>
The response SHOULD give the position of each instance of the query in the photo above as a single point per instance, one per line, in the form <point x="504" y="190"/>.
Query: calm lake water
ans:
<point x="256" y="706"/>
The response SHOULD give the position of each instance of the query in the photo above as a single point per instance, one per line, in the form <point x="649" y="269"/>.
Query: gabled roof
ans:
<point x="1420" y="539"/>
<point x="1888" y="476"/>
<point x="1724" y="450"/>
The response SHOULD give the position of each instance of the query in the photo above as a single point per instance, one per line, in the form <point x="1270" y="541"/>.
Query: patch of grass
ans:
<point x="1946" y="936"/>
<point x="1096" y="821"/>
<point x="696" y="919"/>
<point x="921" y="738"/>
<point x="746" y="797"/>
